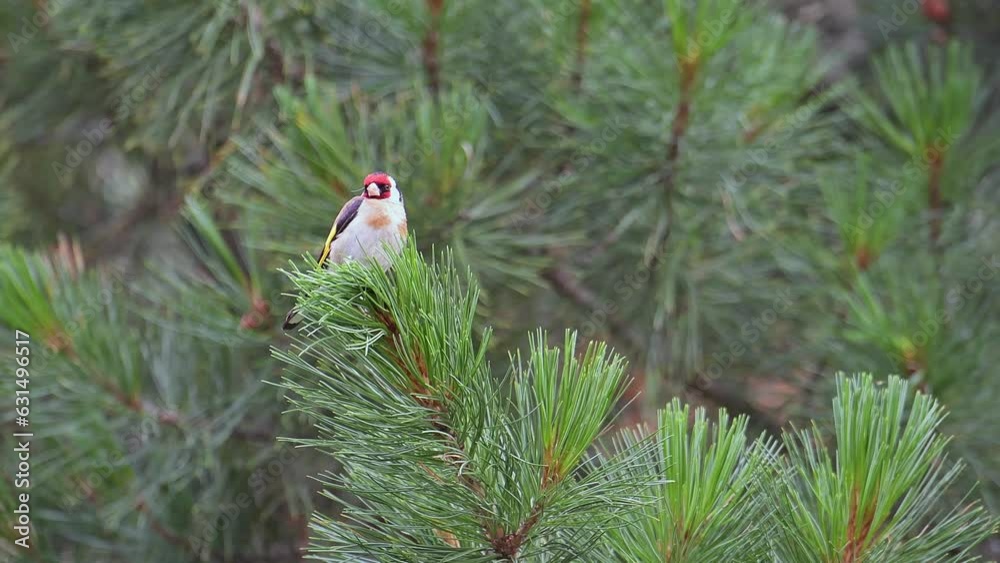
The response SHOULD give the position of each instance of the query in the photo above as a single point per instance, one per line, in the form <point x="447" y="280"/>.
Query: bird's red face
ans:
<point x="379" y="185"/>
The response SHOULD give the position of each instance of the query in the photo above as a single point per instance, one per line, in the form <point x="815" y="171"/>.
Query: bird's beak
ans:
<point x="372" y="190"/>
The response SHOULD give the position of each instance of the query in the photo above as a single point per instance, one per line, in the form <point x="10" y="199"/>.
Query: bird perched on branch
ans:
<point x="367" y="226"/>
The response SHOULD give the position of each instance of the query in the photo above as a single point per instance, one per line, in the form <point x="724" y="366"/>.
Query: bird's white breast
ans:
<point x="379" y="226"/>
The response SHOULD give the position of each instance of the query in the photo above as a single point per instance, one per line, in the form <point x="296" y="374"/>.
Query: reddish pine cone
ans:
<point x="937" y="11"/>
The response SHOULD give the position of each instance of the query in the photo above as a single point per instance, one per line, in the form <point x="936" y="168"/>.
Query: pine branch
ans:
<point x="934" y="199"/>
<point x="135" y="404"/>
<point x="508" y="459"/>
<point x="712" y="503"/>
<point x="506" y="546"/>
<point x="682" y="117"/>
<point x="877" y="493"/>
<point x="422" y="391"/>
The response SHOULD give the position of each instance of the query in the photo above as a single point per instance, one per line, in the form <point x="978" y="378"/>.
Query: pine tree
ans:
<point x="698" y="184"/>
<point x="443" y="461"/>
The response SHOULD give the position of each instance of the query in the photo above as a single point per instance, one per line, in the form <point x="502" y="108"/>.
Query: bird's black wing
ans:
<point x="344" y="218"/>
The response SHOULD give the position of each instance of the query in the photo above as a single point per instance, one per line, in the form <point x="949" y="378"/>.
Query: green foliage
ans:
<point x="698" y="32"/>
<point x="204" y="63"/>
<point x="874" y="499"/>
<point x="865" y="225"/>
<point x="692" y="190"/>
<point x="930" y="103"/>
<point x="685" y="180"/>
<point x="445" y="461"/>
<point x="566" y="430"/>
<point x="711" y="501"/>
<point x="28" y="291"/>
<point x="129" y="445"/>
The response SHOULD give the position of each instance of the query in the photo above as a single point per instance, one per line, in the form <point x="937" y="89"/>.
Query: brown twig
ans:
<point x="567" y="285"/>
<point x="508" y="546"/>
<point x="682" y="118"/>
<point x="864" y="257"/>
<point x="132" y="403"/>
<point x="582" y="27"/>
<point x="301" y="523"/>
<point x="682" y="115"/>
<point x="431" y="46"/>
<point x="858" y="529"/>
<point x="733" y="402"/>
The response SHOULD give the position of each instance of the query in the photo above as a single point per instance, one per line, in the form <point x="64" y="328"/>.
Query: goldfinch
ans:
<point x="367" y="226"/>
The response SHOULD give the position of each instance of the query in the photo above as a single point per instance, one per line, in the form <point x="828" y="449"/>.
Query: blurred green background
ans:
<point x="745" y="202"/>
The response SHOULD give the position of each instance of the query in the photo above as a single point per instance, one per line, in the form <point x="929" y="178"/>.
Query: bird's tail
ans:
<point x="292" y="319"/>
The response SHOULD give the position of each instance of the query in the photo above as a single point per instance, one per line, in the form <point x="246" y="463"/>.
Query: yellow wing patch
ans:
<point x="326" y="247"/>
